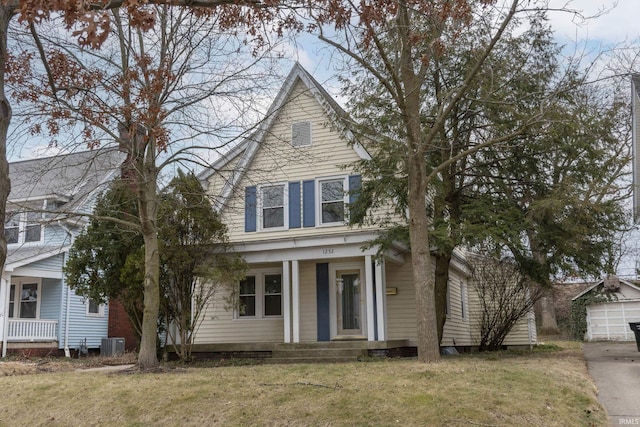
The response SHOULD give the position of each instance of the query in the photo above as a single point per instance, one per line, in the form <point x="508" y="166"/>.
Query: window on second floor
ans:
<point x="273" y="206"/>
<point x="333" y="199"/>
<point x="25" y="227"/>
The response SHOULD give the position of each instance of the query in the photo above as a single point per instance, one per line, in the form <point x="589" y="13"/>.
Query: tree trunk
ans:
<point x="441" y="286"/>
<point x="423" y="278"/>
<point x="148" y="203"/>
<point x="6" y="12"/>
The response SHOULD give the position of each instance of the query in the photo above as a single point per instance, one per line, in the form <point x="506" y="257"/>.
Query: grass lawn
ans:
<point x="544" y="388"/>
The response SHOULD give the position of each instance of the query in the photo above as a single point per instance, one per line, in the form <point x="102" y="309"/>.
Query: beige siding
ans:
<point x="401" y="308"/>
<point x="276" y="161"/>
<point x="522" y="334"/>
<point x="219" y="326"/>
<point x="457" y="330"/>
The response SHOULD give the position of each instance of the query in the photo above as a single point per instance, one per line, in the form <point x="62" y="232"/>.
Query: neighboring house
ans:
<point x="38" y="311"/>
<point x="284" y="193"/>
<point x="618" y="304"/>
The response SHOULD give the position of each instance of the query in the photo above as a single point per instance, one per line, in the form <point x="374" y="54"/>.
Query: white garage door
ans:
<point x="610" y="320"/>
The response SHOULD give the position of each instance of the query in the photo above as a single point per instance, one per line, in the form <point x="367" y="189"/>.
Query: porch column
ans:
<point x="295" y="297"/>
<point x="286" y="297"/>
<point x="368" y="274"/>
<point x="5" y="284"/>
<point x="381" y="300"/>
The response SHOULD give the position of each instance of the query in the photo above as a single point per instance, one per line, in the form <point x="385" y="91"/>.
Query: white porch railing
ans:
<point x="32" y="330"/>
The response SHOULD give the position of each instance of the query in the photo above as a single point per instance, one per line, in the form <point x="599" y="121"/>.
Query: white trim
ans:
<point x="5" y="283"/>
<point x="381" y="300"/>
<point x="318" y="201"/>
<point x="285" y="206"/>
<point x="295" y="294"/>
<point x="368" y="280"/>
<point x="333" y="305"/>
<point x="286" y="301"/>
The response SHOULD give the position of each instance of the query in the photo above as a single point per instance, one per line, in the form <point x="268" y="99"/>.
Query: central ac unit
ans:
<point x="112" y="347"/>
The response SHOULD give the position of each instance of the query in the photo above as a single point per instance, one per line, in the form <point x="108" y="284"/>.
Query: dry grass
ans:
<point x="550" y="388"/>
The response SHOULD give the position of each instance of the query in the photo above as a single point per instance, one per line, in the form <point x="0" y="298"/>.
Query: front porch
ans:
<point x="32" y="330"/>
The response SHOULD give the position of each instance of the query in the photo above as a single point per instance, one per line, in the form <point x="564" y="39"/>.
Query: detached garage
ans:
<point x="610" y="305"/>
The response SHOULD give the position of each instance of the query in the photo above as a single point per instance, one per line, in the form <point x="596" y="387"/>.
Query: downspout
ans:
<point x="67" y="353"/>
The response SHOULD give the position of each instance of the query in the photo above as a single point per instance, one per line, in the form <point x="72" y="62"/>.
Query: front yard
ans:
<point x="550" y="388"/>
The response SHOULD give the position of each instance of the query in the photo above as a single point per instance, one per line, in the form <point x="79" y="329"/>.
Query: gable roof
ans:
<point x="595" y="285"/>
<point x="249" y="146"/>
<point x="71" y="178"/>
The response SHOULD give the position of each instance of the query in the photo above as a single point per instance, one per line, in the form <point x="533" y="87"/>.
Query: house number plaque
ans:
<point x="327" y="251"/>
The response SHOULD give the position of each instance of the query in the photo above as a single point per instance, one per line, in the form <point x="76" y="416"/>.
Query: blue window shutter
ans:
<point x="294" y="205"/>
<point x="250" y="209"/>
<point x="355" y="182"/>
<point x="322" y="302"/>
<point x="309" y="204"/>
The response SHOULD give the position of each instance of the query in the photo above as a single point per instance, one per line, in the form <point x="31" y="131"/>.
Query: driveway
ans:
<point x="615" y="368"/>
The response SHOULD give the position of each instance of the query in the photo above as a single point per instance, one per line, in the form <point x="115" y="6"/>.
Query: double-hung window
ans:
<point x="333" y="199"/>
<point x="260" y="294"/>
<point x="23" y="227"/>
<point x="273" y="206"/>
<point x="24" y="301"/>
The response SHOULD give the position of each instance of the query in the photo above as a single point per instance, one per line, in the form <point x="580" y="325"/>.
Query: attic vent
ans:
<point x="301" y="134"/>
<point x="611" y="284"/>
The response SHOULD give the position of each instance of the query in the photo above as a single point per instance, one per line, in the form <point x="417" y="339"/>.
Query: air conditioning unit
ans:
<point x="112" y="347"/>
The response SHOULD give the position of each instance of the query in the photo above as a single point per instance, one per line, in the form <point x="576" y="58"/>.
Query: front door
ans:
<point x="348" y="301"/>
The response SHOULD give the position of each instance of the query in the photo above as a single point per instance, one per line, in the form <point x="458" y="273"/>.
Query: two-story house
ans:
<point x="39" y="312"/>
<point x="284" y="193"/>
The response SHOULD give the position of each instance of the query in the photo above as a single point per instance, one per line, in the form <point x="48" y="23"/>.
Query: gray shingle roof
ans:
<point x="71" y="177"/>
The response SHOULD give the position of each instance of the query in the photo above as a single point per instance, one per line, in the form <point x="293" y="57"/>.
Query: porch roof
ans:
<point x="24" y="256"/>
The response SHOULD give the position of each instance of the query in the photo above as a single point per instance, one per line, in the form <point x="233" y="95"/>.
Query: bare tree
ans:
<point x="504" y="297"/>
<point x="160" y="95"/>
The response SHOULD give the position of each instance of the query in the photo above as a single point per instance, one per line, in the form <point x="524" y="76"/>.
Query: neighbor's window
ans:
<point x="27" y="305"/>
<point x="301" y="134"/>
<point x="12" y="228"/>
<point x="23" y="227"/>
<point x="33" y="228"/>
<point x="94" y="308"/>
<point x="332" y="201"/>
<point x="273" y="203"/>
